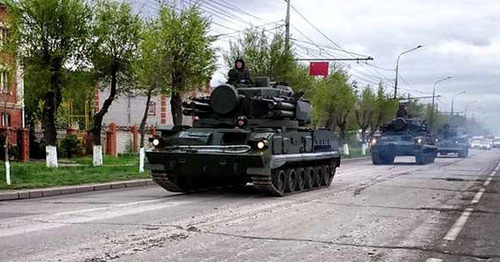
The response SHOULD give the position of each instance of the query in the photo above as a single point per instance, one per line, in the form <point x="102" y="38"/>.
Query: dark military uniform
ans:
<point x="239" y="75"/>
<point x="402" y="112"/>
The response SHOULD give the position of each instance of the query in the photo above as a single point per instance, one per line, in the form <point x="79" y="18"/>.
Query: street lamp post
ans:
<point x="397" y="69"/>
<point x="434" y="88"/>
<point x="453" y="100"/>
<point x="467" y="107"/>
<point x="432" y="116"/>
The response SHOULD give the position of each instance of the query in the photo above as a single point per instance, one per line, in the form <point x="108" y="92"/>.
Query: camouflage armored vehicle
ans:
<point x="403" y="137"/>
<point x="451" y="140"/>
<point x="245" y="133"/>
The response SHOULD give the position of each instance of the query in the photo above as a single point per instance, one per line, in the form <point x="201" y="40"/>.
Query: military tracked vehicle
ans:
<point x="403" y="137"/>
<point x="245" y="133"/>
<point x="452" y="140"/>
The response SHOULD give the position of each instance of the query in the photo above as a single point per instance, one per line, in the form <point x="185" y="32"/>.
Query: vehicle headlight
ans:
<point x="419" y="141"/>
<point x="261" y="144"/>
<point x="373" y="141"/>
<point x="156" y="142"/>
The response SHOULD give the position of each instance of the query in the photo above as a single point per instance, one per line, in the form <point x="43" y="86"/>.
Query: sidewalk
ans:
<point x="56" y="191"/>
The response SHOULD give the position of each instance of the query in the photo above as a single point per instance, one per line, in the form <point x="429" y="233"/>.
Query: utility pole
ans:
<point x="287" y="26"/>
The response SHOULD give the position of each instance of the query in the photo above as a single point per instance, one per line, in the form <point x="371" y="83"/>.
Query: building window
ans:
<point x="5" y="121"/>
<point x="4" y="83"/>
<point x="152" y="109"/>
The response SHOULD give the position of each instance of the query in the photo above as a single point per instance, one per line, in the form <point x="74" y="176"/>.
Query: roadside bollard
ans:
<point x="364" y="146"/>
<point x="346" y="149"/>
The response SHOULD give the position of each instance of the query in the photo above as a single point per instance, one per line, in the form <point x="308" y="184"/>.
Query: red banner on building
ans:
<point x="318" y="69"/>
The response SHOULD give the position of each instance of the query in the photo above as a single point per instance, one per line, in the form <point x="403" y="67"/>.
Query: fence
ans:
<point x="114" y="139"/>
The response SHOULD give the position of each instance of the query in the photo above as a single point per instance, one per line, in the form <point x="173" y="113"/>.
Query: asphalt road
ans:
<point x="448" y="211"/>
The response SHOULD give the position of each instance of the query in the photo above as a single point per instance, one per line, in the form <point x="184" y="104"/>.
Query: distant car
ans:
<point x="485" y="144"/>
<point x="496" y="142"/>
<point x="475" y="143"/>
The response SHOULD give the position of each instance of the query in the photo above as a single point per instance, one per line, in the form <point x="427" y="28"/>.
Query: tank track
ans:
<point x="281" y="184"/>
<point x="163" y="180"/>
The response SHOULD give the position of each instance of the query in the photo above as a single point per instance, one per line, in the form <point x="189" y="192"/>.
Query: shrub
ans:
<point x="70" y="146"/>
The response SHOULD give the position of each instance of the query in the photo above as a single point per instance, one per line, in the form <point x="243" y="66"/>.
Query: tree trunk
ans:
<point x="143" y="129"/>
<point x="176" y="108"/>
<point x="52" y="101"/>
<point x="99" y="117"/>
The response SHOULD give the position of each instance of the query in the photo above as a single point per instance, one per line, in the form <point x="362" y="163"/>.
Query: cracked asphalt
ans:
<point x="400" y="212"/>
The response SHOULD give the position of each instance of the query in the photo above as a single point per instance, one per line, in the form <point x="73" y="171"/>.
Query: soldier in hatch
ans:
<point x="402" y="112"/>
<point x="239" y="74"/>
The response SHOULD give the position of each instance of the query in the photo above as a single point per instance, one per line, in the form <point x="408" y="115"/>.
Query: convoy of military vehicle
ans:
<point x="259" y="133"/>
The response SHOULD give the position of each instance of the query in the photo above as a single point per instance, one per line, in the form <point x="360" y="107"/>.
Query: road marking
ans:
<point x="459" y="224"/>
<point x="478" y="196"/>
<point x="434" y="260"/>
<point x="153" y="201"/>
<point x="487" y="182"/>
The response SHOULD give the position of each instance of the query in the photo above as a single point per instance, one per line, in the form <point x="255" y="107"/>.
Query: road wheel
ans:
<point x="318" y="175"/>
<point x="327" y="173"/>
<point x="301" y="179"/>
<point x="309" y="178"/>
<point x="291" y="180"/>
<point x="278" y="179"/>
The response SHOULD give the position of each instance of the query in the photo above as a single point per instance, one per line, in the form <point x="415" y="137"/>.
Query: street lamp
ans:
<point x="467" y="107"/>
<point x="397" y="69"/>
<point x="453" y="100"/>
<point x="434" y="88"/>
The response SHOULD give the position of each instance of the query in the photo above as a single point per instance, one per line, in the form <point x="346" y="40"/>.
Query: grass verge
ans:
<point x="71" y="172"/>
<point x="355" y="152"/>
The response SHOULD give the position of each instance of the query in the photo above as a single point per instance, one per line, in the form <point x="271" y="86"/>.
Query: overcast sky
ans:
<point x="461" y="38"/>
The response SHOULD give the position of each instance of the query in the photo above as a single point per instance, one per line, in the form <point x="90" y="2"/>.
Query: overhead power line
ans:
<point x="324" y="35"/>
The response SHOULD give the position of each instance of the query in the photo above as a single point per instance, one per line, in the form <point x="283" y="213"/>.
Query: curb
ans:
<point x="354" y="159"/>
<point x="57" y="191"/>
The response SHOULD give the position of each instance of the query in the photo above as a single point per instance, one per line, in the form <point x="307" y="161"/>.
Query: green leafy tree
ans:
<point x="301" y="81"/>
<point x="116" y="35"/>
<point x="334" y="102"/>
<point x="365" y="109"/>
<point x="188" y="53"/>
<point x="150" y="68"/>
<point x="50" y="36"/>
<point x="263" y="56"/>
<point x="416" y="108"/>
<point x="385" y="109"/>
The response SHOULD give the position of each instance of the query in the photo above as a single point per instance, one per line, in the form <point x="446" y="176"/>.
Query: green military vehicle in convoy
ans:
<point x="245" y="133"/>
<point x="403" y="136"/>
<point x="452" y="140"/>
